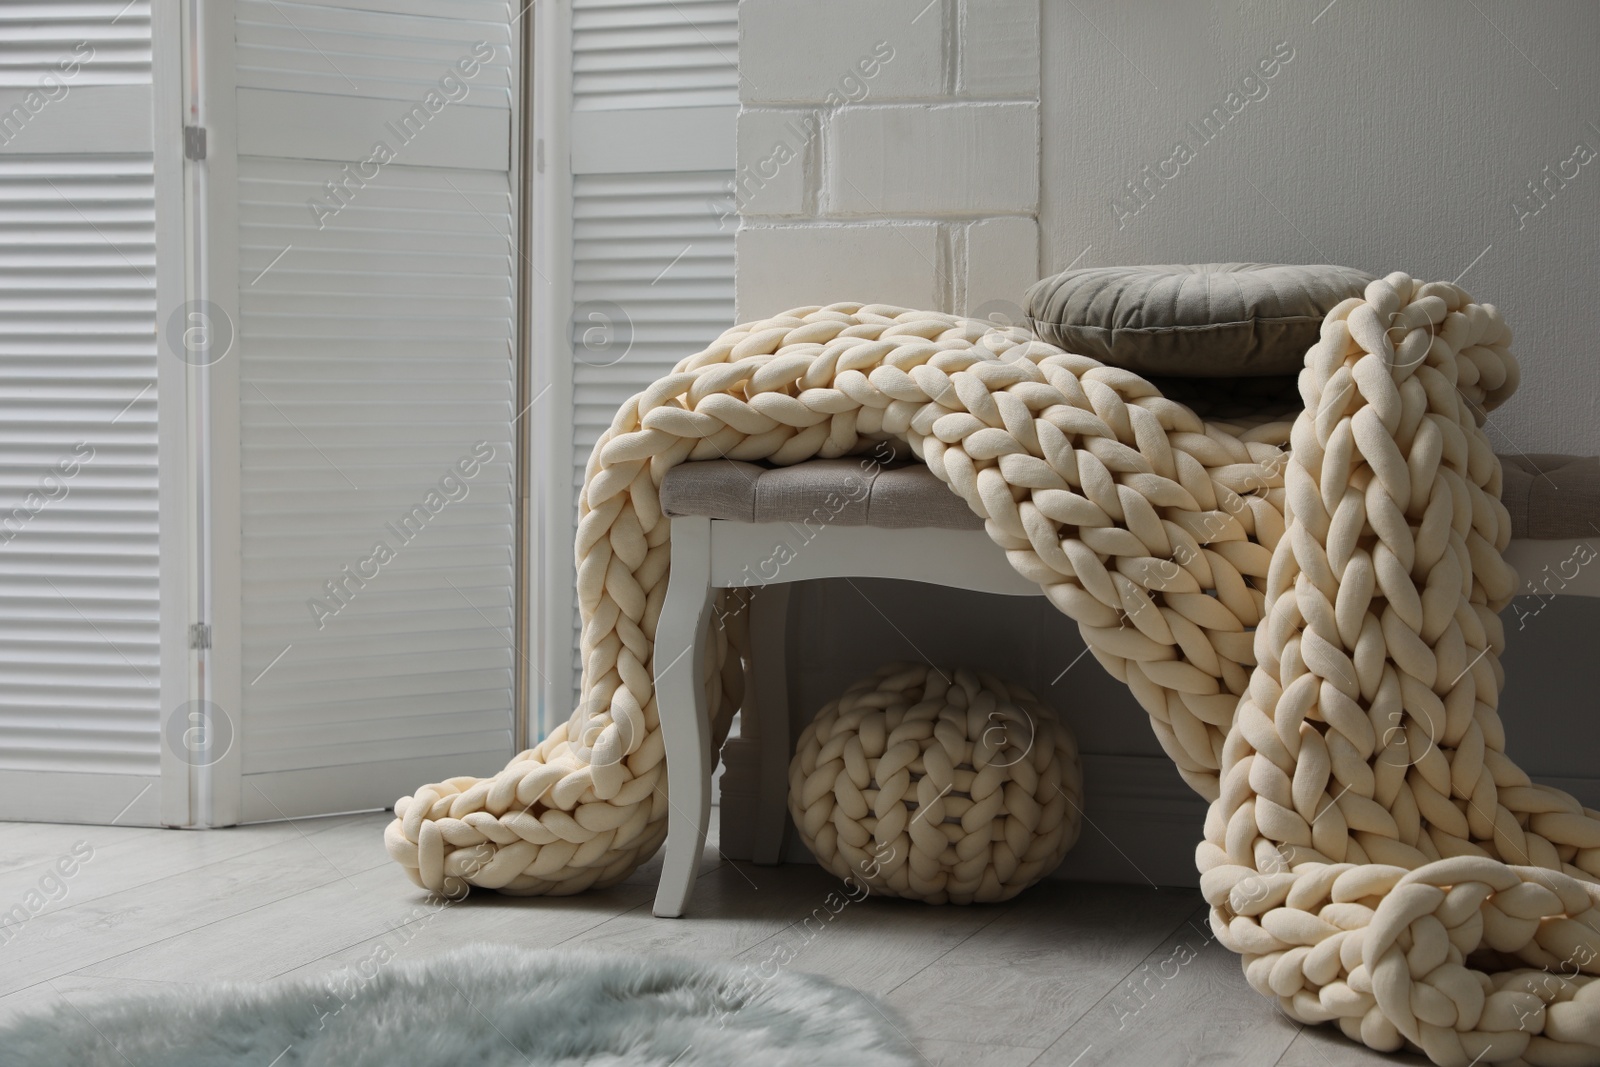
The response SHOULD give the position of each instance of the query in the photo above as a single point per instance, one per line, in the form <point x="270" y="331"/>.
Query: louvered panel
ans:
<point x="650" y="257"/>
<point x="376" y="355"/>
<point x="654" y="53"/>
<point x="79" y="637"/>
<point x="56" y="45"/>
<point x="394" y="51"/>
<point x="650" y="254"/>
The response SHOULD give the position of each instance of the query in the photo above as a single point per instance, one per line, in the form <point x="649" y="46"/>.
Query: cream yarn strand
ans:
<point x="1307" y="613"/>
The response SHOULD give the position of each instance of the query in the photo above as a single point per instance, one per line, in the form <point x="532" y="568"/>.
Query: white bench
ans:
<point x="711" y="553"/>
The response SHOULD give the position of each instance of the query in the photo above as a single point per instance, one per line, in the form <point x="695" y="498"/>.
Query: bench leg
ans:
<point x="769" y="689"/>
<point x="679" y="665"/>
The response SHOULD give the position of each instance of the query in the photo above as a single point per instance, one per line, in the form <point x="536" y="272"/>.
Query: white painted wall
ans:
<point x="1397" y="137"/>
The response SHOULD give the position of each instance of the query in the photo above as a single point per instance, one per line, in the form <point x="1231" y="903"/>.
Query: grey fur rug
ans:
<point x="482" y="1006"/>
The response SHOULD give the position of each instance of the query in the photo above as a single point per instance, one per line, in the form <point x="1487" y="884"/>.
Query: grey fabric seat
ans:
<point x="850" y="492"/>
<point x="1550" y="497"/>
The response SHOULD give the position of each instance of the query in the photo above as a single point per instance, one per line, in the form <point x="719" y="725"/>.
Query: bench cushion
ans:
<point x="1550" y="497"/>
<point x="850" y="492"/>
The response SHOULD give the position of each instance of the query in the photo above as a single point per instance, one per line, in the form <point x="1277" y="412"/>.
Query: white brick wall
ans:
<point x="888" y="151"/>
<point x="1000" y="260"/>
<point x="882" y="263"/>
<point x="999" y="48"/>
<point x="775" y="149"/>
<point x="946" y="159"/>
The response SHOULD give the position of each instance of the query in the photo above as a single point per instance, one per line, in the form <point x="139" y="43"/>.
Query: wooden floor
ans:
<point x="1066" y="975"/>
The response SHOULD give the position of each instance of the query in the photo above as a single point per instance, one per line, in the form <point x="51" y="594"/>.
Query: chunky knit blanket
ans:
<point x="1307" y="610"/>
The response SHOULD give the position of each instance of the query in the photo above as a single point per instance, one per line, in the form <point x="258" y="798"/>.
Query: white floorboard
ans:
<point x="1066" y="975"/>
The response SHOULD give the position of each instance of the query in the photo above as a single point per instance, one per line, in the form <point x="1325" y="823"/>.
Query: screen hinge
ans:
<point x="194" y="142"/>
<point x="200" y="635"/>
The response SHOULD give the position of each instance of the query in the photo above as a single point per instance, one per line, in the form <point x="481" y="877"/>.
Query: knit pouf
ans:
<point x="947" y="786"/>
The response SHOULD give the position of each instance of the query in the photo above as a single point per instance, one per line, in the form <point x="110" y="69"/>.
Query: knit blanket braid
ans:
<point x="1307" y="612"/>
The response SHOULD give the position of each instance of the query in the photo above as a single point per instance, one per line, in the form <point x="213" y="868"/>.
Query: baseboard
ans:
<point x="304" y="792"/>
<point x="1141" y="822"/>
<point x="93" y="799"/>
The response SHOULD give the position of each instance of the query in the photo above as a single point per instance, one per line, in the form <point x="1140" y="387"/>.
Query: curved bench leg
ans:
<point x="679" y="666"/>
<point x="769" y="685"/>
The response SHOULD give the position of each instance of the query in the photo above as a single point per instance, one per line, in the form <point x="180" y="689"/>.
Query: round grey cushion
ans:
<point x="1203" y="320"/>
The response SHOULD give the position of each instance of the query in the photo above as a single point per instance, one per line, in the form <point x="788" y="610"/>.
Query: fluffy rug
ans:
<point x="482" y="1007"/>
